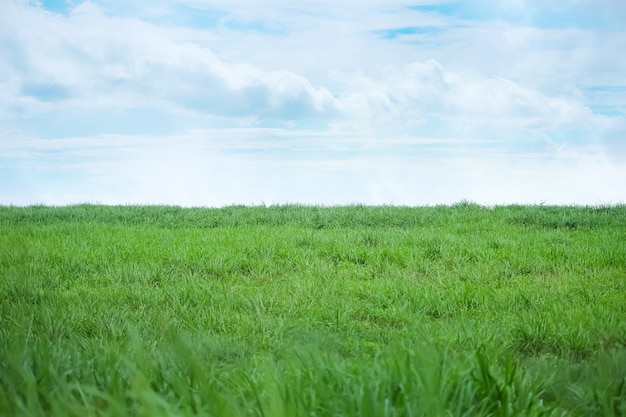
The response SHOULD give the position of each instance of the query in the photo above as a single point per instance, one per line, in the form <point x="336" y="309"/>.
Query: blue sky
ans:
<point x="215" y="102"/>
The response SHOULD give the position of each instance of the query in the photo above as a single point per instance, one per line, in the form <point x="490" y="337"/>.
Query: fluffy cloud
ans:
<point x="427" y="91"/>
<point x="375" y="101"/>
<point x="88" y="59"/>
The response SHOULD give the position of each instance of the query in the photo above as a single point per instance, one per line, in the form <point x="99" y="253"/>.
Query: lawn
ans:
<point x="291" y="310"/>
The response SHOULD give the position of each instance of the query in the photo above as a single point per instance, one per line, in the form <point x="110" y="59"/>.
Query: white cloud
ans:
<point x="89" y="59"/>
<point x="371" y="101"/>
<point x="426" y="90"/>
<point x="99" y="61"/>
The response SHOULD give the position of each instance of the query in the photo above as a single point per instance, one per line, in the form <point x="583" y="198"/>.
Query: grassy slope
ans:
<point x="293" y="310"/>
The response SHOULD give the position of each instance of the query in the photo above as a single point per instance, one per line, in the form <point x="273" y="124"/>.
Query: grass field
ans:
<point x="307" y="311"/>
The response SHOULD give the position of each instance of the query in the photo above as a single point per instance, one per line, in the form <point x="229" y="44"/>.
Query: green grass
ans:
<point x="307" y="311"/>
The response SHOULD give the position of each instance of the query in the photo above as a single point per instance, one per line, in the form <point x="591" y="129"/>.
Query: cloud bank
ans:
<point x="202" y="102"/>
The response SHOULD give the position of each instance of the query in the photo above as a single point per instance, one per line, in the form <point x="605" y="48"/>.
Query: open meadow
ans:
<point x="293" y="310"/>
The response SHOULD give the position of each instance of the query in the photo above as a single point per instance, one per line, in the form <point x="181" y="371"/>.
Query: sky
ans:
<point x="328" y="102"/>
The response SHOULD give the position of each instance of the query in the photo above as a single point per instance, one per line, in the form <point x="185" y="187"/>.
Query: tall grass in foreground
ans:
<point x="297" y="310"/>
